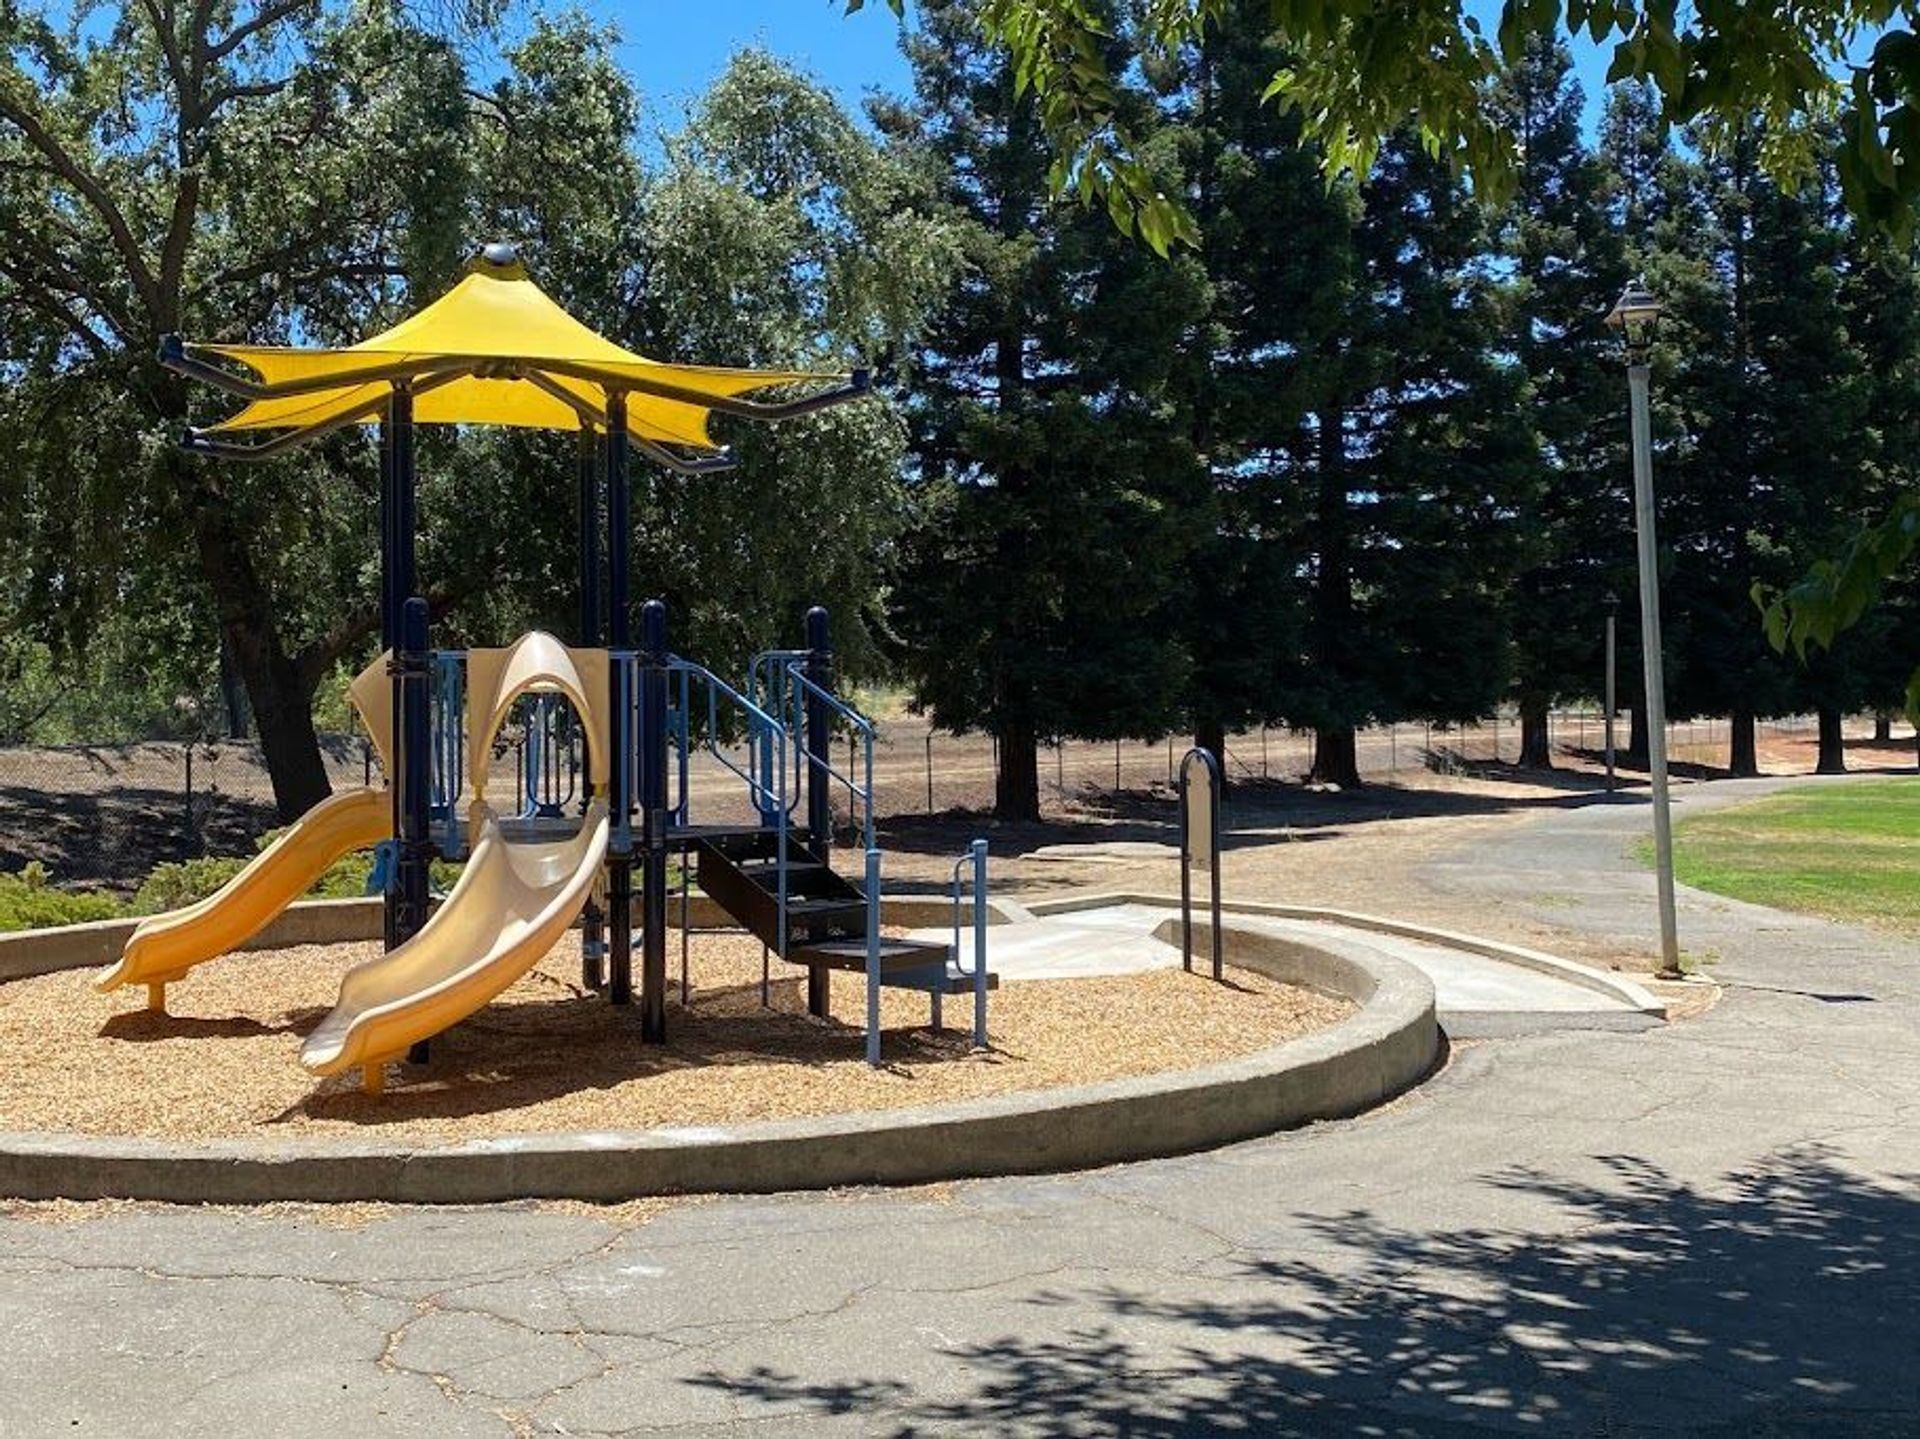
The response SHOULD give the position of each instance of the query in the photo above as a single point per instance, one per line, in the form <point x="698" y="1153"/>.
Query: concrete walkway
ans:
<point x="1708" y="1228"/>
<point x="1119" y="939"/>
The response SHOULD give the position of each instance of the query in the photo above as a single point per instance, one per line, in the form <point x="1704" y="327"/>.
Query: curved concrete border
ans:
<point x="25" y="953"/>
<point x="1388" y="1046"/>
<point x="1613" y="986"/>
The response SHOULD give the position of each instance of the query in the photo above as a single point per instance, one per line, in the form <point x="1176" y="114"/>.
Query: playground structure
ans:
<point x="496" y="350"/>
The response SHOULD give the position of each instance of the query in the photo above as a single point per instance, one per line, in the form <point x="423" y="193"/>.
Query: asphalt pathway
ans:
<point x="1711" y="1228"/>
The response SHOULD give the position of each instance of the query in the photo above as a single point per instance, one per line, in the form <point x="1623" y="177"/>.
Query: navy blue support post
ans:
<point x="620" y="637"/>
<point x="819" y="741"/>
<point x="413" y="852"/>
<point x="653" y="821"/>
<point x="396" y="584"/>
<point x="593" y="934"/>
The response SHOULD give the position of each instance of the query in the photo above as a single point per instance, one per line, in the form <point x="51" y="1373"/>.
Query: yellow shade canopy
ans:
<point x="494" y="350"/>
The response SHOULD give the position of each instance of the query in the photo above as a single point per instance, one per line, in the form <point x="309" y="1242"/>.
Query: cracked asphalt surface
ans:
<point x="1711" y="1228"/>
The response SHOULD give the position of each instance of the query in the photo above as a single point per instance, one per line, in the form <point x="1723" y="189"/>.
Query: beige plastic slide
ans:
<point x="511" y="905"/>
<point x="165" y="946"/>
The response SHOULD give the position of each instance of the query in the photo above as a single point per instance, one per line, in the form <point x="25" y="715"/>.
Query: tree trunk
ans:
<point x="1635" y="755"/>
<point x="1211" y="735"/>
<point x="1743" y="760"/>
<point x="233" y="693"/>
<point x="1536" y="735"/>
<point x="1833" y="748"/>
<point x="1336" y="758"/>
<point x="282" y="699"/>
<point x="1016" y="787"/>
<point x="1335" y="749"/>
<point x="1882" y="727"/>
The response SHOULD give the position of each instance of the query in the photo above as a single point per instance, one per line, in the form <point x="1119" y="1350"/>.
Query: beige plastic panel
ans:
<point x="372" y="695"/>
<point x="536" y="663"/>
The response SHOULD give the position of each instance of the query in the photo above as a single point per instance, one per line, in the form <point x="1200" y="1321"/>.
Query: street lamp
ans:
<point x="1635" y="315"/>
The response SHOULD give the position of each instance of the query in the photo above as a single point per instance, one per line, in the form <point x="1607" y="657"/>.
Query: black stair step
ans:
<point x="823" y="907"/>
<point x="805" y="880"/>
<point x="851" y="954"/>
<point x="747" y="842"/>
<point x="946" y="978"/>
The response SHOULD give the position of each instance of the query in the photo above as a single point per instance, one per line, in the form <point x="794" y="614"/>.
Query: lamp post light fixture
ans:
<point x="1636" y="315"/>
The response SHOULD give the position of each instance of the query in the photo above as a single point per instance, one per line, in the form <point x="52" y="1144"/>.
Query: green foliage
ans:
<point x="1356" y="72"/>
<point x="176" y="885"/>
<point x="28" y="901"/>
<point x="1056" y="494"/>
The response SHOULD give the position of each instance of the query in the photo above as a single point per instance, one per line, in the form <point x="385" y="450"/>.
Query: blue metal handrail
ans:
<point x="801" y="687"/>
<point x="766" y="782"/>
<point x="766" y="795"/>
<point x="767" y="683"/>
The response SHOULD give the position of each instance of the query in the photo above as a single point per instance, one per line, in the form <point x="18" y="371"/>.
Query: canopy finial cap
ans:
<point x="501" y="259"/>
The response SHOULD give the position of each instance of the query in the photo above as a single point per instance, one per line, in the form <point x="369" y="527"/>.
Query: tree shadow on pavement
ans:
<point x="1773" y="1301"/>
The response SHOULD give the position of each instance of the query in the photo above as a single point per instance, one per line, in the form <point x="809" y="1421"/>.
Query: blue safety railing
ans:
<point x="791" y="689"/>
<point x="765" y="773"/>
<point x="767" y="684"/>
<point x="623" y="671"/>
<point x="447" y="728"/>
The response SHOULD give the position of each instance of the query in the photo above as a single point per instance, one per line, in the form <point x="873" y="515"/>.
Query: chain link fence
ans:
<point x="104" y="815"/>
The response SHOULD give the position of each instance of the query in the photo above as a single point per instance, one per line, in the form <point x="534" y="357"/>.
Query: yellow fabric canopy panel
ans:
<point x="509" y="348"/>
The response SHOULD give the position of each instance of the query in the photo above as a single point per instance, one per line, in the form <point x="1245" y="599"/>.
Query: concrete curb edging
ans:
<point x="28" y="952"/>
<point x="1613" y="986"/>
<point x="1387" y="1047"/>
<point x="97" y="943"/>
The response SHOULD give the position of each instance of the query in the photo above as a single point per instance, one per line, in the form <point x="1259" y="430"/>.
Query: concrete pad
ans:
<point x="1121" y="939"/>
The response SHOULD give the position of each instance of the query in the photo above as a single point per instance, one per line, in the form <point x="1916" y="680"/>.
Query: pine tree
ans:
<point x="1057" y="495"/>
<point x="1565" y="266"/>
<point x="1409" y="463"/>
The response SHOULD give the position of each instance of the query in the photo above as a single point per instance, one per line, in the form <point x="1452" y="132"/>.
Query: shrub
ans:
<point x="27" y="901"/>
<point x="173" y="886"/>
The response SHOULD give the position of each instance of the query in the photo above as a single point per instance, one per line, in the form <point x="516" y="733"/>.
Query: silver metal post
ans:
<point x="1638" y="378"/>
<point x="1612" y="707"/>
<point x="979" y="944"/>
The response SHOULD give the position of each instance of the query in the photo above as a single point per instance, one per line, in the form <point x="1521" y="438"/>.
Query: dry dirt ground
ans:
<point x="104" y="815"/>
<point x="549" y="1056"/>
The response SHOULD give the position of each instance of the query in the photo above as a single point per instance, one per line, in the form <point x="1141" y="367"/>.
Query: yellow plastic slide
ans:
<point x="166" y="946"/>
<point x="511" y="905"/>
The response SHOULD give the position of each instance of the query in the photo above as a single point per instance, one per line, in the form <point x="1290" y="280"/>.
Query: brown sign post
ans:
<point x="1199" y="846"/>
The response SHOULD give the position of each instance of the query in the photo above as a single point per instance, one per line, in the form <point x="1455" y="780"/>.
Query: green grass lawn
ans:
<point x="1844" y="851"/>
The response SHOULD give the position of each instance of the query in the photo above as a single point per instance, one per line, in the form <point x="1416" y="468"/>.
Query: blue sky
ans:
<point x="674" y="49"/>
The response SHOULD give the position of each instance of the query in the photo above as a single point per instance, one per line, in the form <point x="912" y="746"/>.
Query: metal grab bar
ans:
<point x="977" y="854"/>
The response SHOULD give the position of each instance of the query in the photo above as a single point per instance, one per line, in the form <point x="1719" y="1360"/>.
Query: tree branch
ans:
<point x="89" y="187"/>
<point x="264" y="18"/>
<point x="317" y="658"/>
